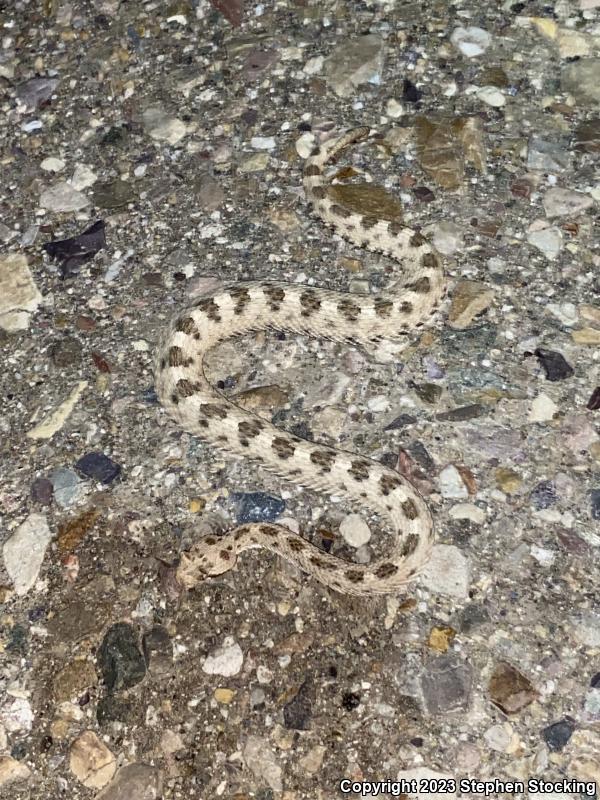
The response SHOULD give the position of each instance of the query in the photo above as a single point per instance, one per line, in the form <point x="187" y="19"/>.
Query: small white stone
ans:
<point x="24" y="552"/>
<point x="141" y="345"/>
<point x="52" y="164"/>
<point x="501" y="738"/>
<point x="548" y="241"/>
<point x="263" y="142"/>
<point x="379" y="403"/>
<point x="83" y="177"/>
<point x="355" y="530"/>
<point x="447" y="572"/>
<point x="543" y="409"/>
<point x="451" y="483"/>
<point x="587" y="628"/>
<point x="305" y="144"/>
<point x="543" y="555"/>
<point x="263" y="763"/>
<point x="471" y="41"/>
<point x="19" y="296"/>
<point x="16" y="714"/>
<point x="565" y="312"/>
<point x="491" y="96"/>
<point x="225" y="660"/>
<point x="314" y="65"/>
<point x="163" y="128"/>
<point x="573" y="44"/>
<point x="562" y="202"/>
<point x="448" y="237"/>
<point x="12" y="771"/>
<point x="468" y="511"/>
<point x="63" y="197"/>
<point x="91" y="761"/>
<point x="393" y="108"/>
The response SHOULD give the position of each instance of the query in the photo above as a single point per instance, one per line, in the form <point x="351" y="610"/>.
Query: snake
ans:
<point x="362" y="321"/>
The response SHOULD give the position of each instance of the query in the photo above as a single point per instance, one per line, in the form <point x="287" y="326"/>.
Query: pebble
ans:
<point x="99" y="467"/>
<point x="12" y="771"/>
<point x="256" y="163"/>
<point x="19" y="296"/>
<point x="509" y="689"/>
<point x="555" y="365"/>
<point x="469" y="300"/>
<point x="83" y="177"/>
<point x="162" y="127"/>
<point x="56" y="419"/>
<point x="42" y="491"/>
<point x="586" y="628"/>
<point x="502" y="738"/>
<point x="543" y="409"/>
<point x="63" y="197"/>
<point x="67" y="486"/>
<point x="467" y="511"/>
<point x="262" y="762"/>
<point x="157" y="647"/>
<point x="448" y="237"/>
<point x="24" y="552"/>
<point x="562" y="203"/>
<point x="91" y="761"/>
<point x="355" y="530"/>
<point x="257" y="507"/>
<point x="582" y="79"/>
<point x="263" y="142"/>
<point x="134" y="782"/>
<point x="16" y="714"/>
<point x="447" y="572"/>
<point x="547" y="240"/>
<point x="226" y="659"/>
<point x="36" y="91"/>
<point x="113" y="194"/>
<point x="565" y="312"/>
<point x="545" y="155"/>
<point x="446" y="685"/>
<point x="297" y="713"/>
<point x="586" y="336"/>
<point x="471" y="41"/>
<point x="73" y="680"/>
<point x="394" y="109"/>
<point x="558" y="734"/>
<point x="305" y="144"/>
<point x="595" y="503"/>
<point x="587" y="136"/>
<point x="491" y="96"/>
<point x="356" y="61"/>
<point x="314" y="65"/>
<point x="120" y="660"/>
<point x="591" y="707"/>
<point x="451" y="483"/>
<point x="312" y="762"/>
<point x="544" y="495"/>
<point x="543" y="555"/>
<point x="52" y="164"/>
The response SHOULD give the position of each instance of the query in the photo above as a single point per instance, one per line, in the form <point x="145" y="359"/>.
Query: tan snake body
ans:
<point x="202" y="410"/>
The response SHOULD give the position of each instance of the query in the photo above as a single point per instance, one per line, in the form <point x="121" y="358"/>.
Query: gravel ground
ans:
<point x="150" y="152"/>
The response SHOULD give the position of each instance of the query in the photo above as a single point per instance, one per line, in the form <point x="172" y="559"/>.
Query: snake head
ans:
<point x="206" y="559"/>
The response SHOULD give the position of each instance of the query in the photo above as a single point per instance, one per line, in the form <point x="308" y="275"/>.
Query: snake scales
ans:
<point x="363" y="320"/>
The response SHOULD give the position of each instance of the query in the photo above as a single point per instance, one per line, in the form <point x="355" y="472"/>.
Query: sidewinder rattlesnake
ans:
<point x="362" y="320"/>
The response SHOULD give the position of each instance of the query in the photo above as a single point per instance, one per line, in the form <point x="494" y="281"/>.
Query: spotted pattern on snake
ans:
<point x="363" y="320"/>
